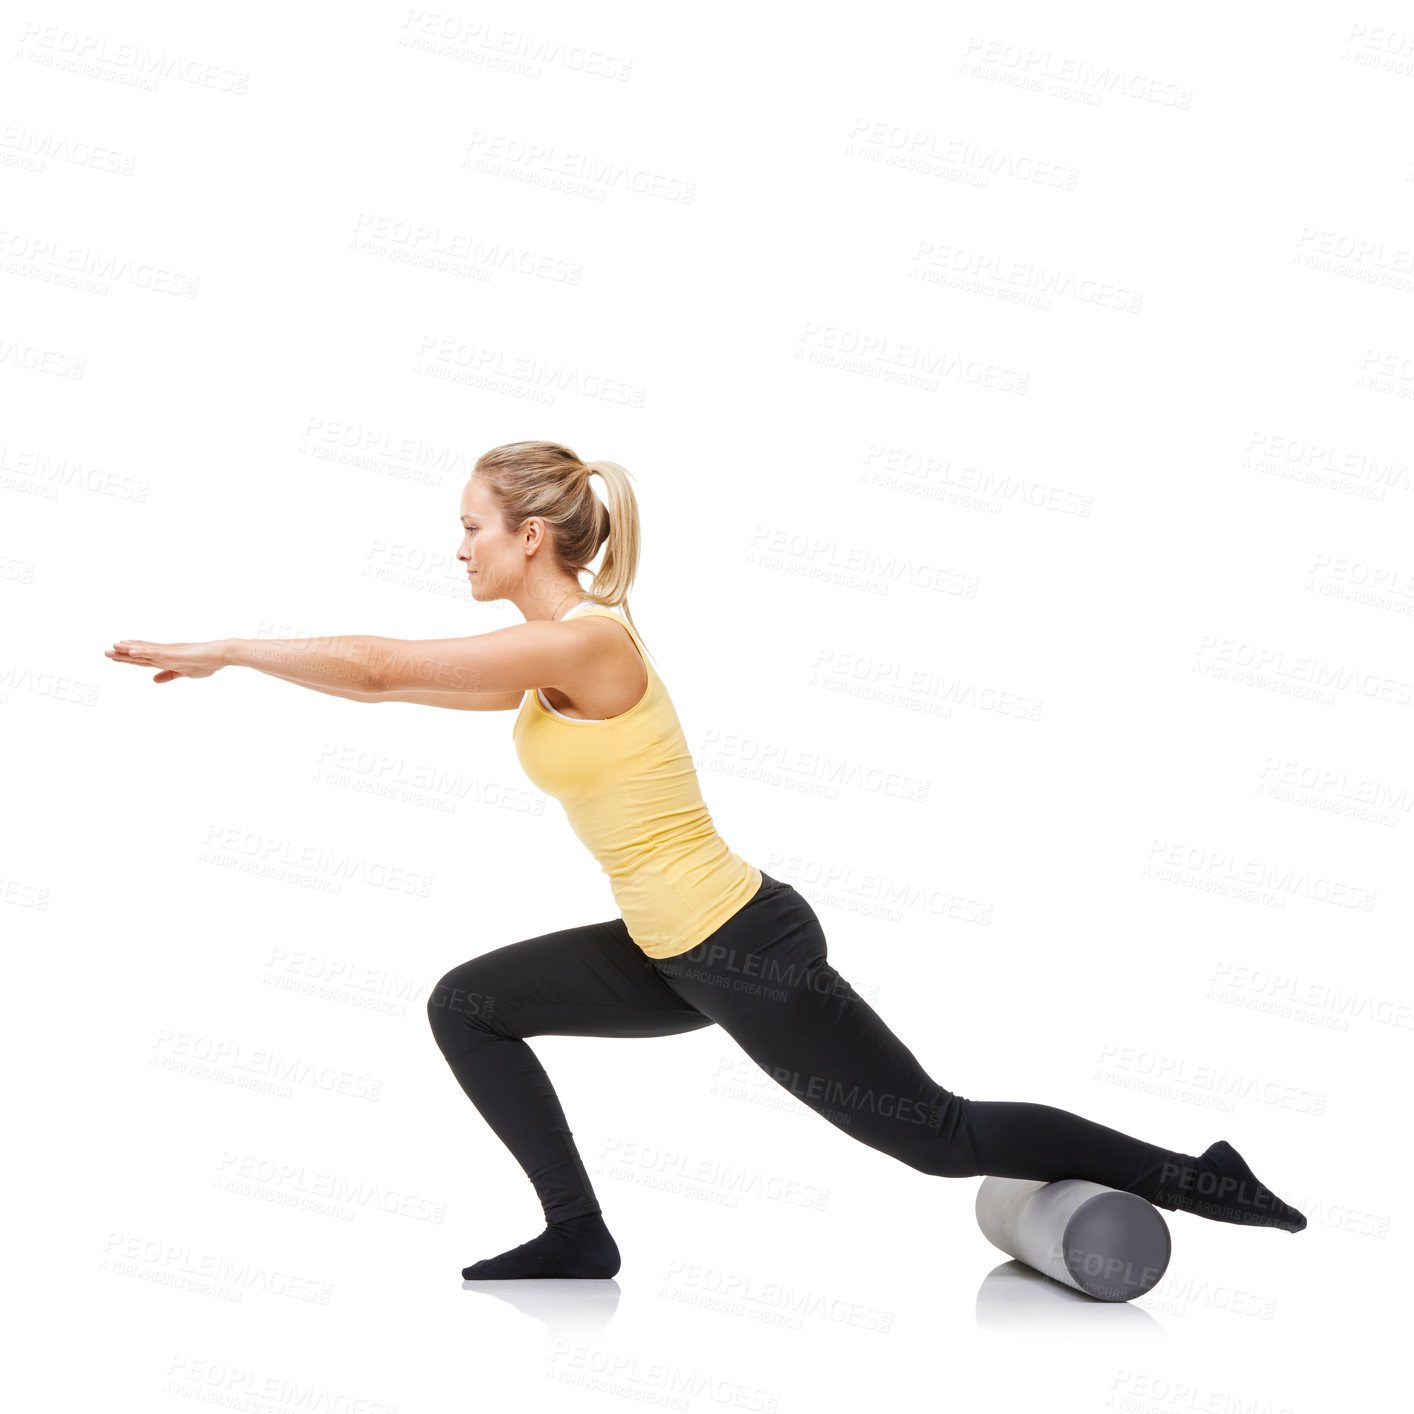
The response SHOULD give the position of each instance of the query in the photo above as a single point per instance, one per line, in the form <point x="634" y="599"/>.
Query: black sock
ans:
<point x="1218" y="1184"/>
<point x="577" y="1247"/>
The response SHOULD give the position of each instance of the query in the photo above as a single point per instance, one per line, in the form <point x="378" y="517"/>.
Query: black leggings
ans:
<point x="763" y="977"/>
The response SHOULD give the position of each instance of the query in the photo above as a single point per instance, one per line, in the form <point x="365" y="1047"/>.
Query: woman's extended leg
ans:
<point x="764" y="977"/>
<point x="592" y="980"/>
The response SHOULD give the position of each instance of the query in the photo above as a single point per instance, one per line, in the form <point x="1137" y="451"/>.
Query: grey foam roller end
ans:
<point x="1116" y="1246"/>
<point x="1109" y="1244"/>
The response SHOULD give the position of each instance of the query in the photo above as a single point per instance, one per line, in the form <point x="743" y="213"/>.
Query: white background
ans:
<point x="1018" y="404"/>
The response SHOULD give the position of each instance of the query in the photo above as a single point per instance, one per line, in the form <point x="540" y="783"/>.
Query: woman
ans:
<point x="704" y="937"/>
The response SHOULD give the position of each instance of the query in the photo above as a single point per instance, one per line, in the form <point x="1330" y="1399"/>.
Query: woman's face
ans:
<point x="494" y="559"/>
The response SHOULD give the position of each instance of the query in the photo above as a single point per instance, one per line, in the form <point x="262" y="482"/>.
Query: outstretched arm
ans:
<point x="341" y="664"/>
<point x="501" y="662"/>
<point x="337" y="665"/>
<point x="498" y="666"/>
<point x="457" y="701"/>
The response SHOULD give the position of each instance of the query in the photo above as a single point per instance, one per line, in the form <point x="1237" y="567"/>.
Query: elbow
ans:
<point x="372" y="665"/>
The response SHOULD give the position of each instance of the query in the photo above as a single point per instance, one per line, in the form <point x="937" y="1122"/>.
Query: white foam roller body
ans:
<point x="1102" y="1241"/>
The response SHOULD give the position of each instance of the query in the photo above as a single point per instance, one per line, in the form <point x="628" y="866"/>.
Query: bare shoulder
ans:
<point x="606" y="680"/>
<point x="601" y="629"/>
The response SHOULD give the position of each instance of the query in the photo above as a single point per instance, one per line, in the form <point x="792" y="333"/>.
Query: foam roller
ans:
<point x="1102" y="1241"/>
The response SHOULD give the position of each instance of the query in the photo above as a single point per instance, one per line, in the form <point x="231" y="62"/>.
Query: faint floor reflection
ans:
<point x="566" y="1307"/>
<point x="1015" y="1297"/>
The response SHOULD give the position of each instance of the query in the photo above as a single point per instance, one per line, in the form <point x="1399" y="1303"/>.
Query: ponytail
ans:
<point x="618" y="514"/>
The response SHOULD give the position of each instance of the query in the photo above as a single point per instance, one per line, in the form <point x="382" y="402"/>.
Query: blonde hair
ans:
<point x="548" y="480"/>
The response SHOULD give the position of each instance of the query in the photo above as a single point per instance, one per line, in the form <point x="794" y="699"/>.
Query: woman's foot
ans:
<point x="1219" y="1185"/>
<point x="577" y="1247"/>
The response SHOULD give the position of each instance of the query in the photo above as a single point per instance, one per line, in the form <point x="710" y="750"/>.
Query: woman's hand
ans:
<point x="175" y="660"/>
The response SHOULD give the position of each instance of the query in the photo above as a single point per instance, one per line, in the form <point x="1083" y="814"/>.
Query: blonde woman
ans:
<point x="703" y="936"/>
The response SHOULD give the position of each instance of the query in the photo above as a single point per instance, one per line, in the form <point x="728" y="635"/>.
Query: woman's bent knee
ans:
<point x="947" y="1161"/>
<point x="946" y="1150"/>
<point x="460" y="1002"/>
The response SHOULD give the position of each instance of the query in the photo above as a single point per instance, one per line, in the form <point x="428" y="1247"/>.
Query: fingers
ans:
<point x="140" y="654"/>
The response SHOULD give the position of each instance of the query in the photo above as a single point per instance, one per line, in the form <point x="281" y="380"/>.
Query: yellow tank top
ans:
<point x="630" y="790"/>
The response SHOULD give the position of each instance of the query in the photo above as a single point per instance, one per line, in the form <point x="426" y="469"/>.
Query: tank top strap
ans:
<point x="616" y="614"/>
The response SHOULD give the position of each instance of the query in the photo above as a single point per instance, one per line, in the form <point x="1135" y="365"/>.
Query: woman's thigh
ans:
<point x="766" y="979"/>
<point x="590" y="980"/>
